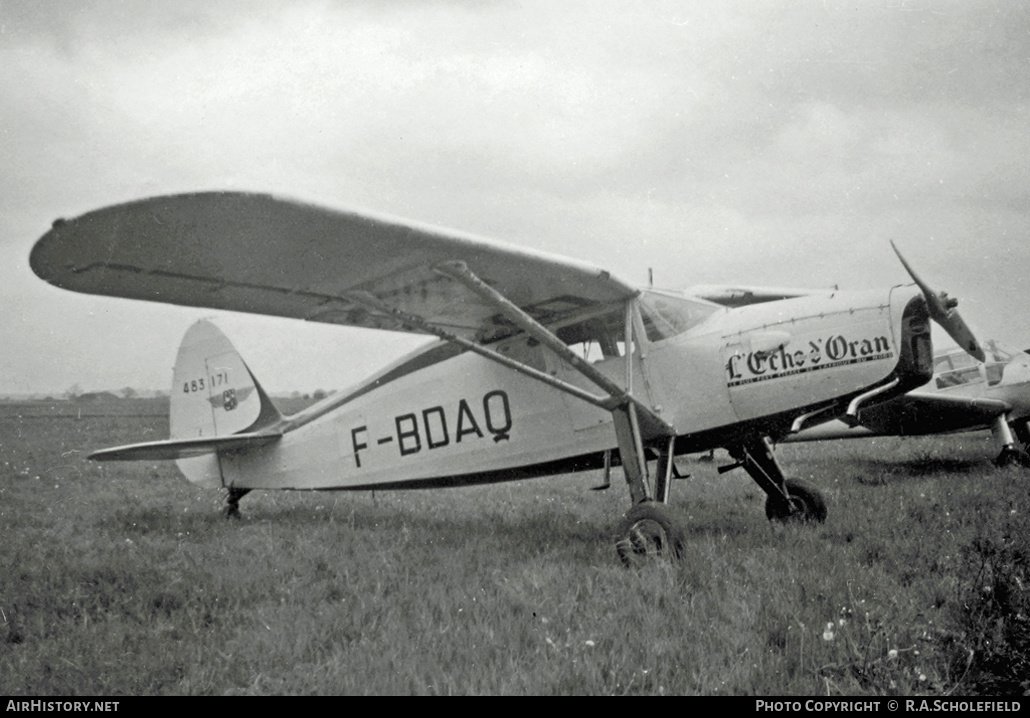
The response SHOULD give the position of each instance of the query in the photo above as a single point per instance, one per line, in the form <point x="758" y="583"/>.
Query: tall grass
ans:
<point x="121" y="579"/>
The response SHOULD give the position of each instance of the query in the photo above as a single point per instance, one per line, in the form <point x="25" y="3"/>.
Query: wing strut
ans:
<point x="632" y="418"/>
<point x="369" y="301"/>
<point x="634" y="421"/>
<point x="617" y="396"/>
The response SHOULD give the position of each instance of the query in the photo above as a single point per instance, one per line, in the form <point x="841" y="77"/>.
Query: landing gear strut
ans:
<point x="232" y="502"/>
<point x="788" y="499"/>
<point x="650" y="529"/>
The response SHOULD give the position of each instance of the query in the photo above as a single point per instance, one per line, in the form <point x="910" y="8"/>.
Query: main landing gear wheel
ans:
<point x="649" y="531"/>
<point x="806" y="504"/>
<point x="1011" y="456"/>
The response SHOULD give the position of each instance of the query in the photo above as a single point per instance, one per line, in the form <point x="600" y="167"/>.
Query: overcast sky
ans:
<point x="777" y="143"/>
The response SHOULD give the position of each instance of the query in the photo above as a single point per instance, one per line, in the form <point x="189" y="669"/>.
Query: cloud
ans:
<point x="779" y="143"/>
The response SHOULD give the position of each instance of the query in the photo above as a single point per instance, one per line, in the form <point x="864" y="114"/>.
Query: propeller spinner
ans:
<point x="943" y="311"/>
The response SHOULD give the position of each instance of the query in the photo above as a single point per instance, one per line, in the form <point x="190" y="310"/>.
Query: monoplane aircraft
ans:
<point x="544" y="365"/>
<point x="964" y="395"/>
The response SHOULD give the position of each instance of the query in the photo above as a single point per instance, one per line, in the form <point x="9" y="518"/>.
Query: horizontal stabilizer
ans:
<point x="183" y="448"/>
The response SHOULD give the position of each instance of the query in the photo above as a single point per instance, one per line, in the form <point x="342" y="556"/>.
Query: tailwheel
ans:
<point x="649" y="531"/>
<point x="232" y="502"/>
<point x="805" y="505"/>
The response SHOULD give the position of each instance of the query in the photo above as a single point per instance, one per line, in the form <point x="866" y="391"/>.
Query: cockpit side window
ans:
<point x="997" y="358"/>
<point x="666" y="316"/>
<point x="603" y="336"/>
<point x="942" y="364"/>
<point x="969" y="375"/>
<point x="994" y="373"/>
<point x="957" y="367"/>
<point x="597" y="338"/>
<point x="961" y="360"/>
<point x="996" y="354"/>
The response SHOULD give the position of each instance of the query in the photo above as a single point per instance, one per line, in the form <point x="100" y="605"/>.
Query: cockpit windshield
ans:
<point x="666" y="315"/>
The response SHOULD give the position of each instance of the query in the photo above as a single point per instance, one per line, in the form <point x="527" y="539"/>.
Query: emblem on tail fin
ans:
<point x="230" y="398"/>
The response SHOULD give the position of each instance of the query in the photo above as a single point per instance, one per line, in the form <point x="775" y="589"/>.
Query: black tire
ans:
<point x="232" y="499"/>
<point x="648" y="532"/>
<point x="1022" y="431"/>
<point x="1013" y="457"/>
<point x="806" y="504"/>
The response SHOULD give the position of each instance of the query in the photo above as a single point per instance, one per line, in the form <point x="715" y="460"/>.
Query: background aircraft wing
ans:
<point x="913" y="414"/>
<point x="739" y="296"/>
<point x="268" y="255"/>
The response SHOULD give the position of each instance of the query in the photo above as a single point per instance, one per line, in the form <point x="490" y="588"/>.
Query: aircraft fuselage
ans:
<point x="444" y="416"/>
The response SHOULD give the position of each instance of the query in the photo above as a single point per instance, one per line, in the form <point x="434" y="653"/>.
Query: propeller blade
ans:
<point x="943" y="311"/>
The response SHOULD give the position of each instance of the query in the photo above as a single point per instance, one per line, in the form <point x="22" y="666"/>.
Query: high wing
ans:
<point x="914" y="414"/>
<point x="268" y="255"/>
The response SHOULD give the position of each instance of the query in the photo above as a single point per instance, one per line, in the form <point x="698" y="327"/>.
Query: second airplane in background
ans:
<point x="964" y="395"/>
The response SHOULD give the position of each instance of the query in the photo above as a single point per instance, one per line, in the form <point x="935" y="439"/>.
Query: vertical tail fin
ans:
<point x="213" y="394"/>
<point x="213" y="391"/>
<point x="214" y="399"/>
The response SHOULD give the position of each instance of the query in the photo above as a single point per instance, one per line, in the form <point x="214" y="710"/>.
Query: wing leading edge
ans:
<point x="267" y="255"/>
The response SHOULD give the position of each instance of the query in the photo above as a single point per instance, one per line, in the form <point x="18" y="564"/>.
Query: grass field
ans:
<point x="121" y="579"/>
